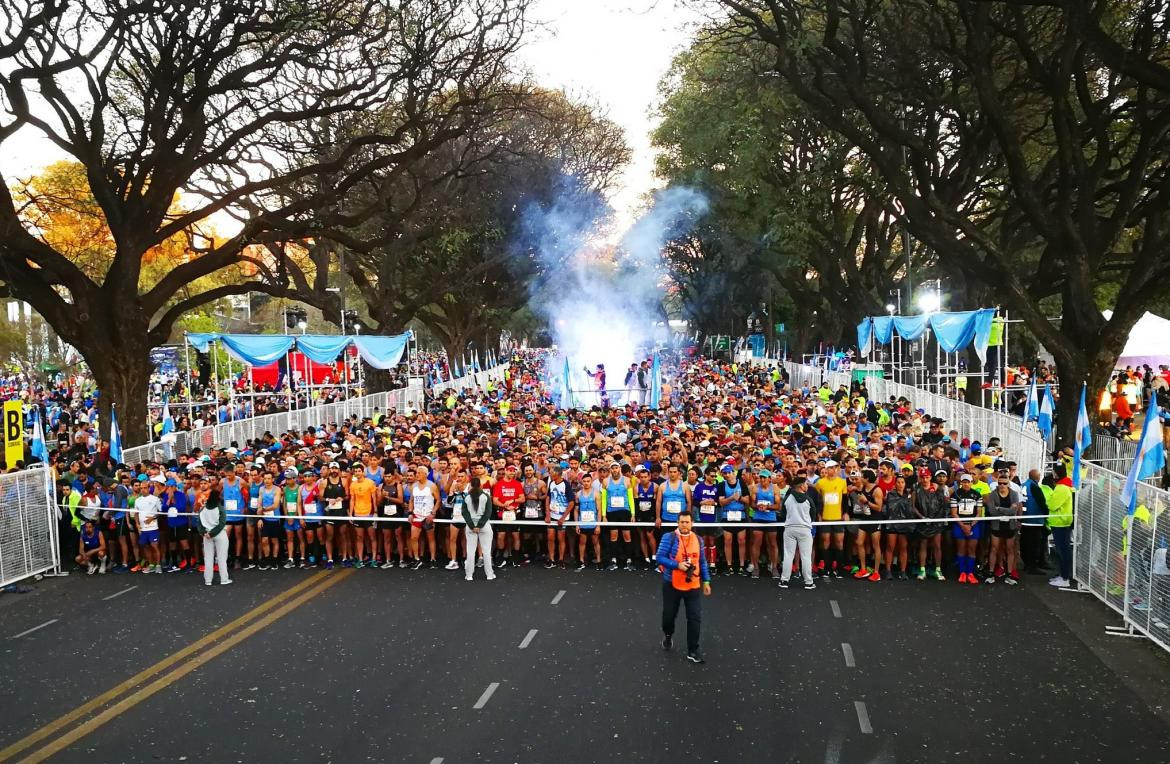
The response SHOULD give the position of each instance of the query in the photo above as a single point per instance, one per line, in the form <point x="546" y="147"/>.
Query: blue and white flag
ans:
<point x="1031" y="404"/>
<point x="1044" y="418"/>
<point x="567" y="400"/>
<point x="37" y="447"/>
<point x="1149" y="460"/>
<point x="168" y="424"/>
<point x="115" y="437"/>
<point x="655" y="383"/>
<point x="1084" y="437"/>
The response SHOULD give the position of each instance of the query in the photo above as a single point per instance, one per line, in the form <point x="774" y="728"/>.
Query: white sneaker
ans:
<point x="467" y="578"/>
<point x="102" y="568"/>
<point x="225" y="583"/>
<point x="452" y="565"/>
<point x="1063" y="583"/>
<point x="91" y="569"/>
<point x="207" y="583"/>
<point x="491" y="577"/>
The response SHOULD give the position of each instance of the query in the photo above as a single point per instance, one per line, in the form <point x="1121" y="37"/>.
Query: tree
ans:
<point x="214" y="101"/>
<point x="795" y="208"/>
<point x="1021" y="155"/>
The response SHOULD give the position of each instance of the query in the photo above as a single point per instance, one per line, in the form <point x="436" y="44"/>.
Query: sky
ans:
<point x="610" y="52"/>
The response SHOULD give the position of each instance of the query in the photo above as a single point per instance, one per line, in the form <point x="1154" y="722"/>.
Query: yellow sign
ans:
<point x="13" y="432"/>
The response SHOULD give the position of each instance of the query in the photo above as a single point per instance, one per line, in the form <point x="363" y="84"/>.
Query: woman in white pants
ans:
<point x="476" y="509"/>
<point x="212" y="520"/>
<point x="799" y="511"/>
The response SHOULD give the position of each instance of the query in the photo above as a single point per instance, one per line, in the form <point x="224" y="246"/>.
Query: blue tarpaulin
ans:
<point x="263" y="349"/>
<point x="954" y="331"/>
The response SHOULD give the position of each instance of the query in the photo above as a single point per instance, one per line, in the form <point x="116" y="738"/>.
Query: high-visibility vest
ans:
<point x="687" y="551"/>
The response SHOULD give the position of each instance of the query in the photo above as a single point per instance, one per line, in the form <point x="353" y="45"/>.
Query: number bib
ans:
<point x="588" y="517"/>
<point x="509" y="516"/>
<point x="734" y="516"/>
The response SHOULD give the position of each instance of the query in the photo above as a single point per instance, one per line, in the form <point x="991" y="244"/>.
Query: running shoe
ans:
<point x="263" y="566"/>
<point x="202" y="568"/>
<point x="728" y="571"/>
<point x="922" y="574"/>
<point x="775" y="573"/>
<point x="629" y="566"/>
<point x="755" y="573"/>
<point x="312" y="561"/>
<point x="860" y="573"/>
<point x="182" y="564"/>
<point x="156" y="569"/>
<point x="329" y="565"/>
<point x="387" y="565"/>
<point x="962" y="578"/>
<point x="290" y="564"/>
<point x="695" y="657"/>
<point x="304" y="564"/>
<point x="120" y="569"/>
<point x="612" y="566"/>
<point x="667" y="642"/>
<point x="467" y="578"/>
<point x="549" y="565"/>
<point x="503" y="563"/>
<point x="809" y="585"/>
<point x="418" y="564"/>
<point x="938" y="575"/>
<point x="434" y="564"/>
<point x="403" y="563"/>
<point x="491" y="576"/>
<point x="452" y="565"/>
<point x="783" y="584"/>
<point x="971" y="579"/>
<point x="250" y="566"/>
<point x="347" y="563"/>
<point x="1011" y="581"/>
<point x="837" y="573"/>
<point x="359" y="564"/>
<point x="581" y="567"/>
<point x="741" y="571"/>
<point x="478" y="562"/>
<point x="989" y="580"/>
<point x="91" y="569"/>
<point x="875" y="576"/>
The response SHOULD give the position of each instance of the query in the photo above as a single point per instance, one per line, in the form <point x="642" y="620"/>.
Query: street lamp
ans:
<point x="890" y="308"/>
<point x="929" y="302"/>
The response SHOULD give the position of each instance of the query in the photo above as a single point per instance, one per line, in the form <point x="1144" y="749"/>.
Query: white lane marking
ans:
<point x="848" y="651"/>
<point x="836" y="608"/>
<point x="557" y="598"/>
<point x="30" y="631"/>
<point x="437" y="760"/>
<point x="528" y="639"/>
<point x="119" y="594"/>
<point x="487" y="695"/>
<point x="862" y="717"/>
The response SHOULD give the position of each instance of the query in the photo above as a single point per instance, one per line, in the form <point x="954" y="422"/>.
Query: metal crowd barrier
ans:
<point x="28" y="525"/>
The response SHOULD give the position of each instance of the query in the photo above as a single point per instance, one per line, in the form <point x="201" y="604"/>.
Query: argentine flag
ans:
<point x="655" y="383"/>
<point x="1044" y="418"/>
<point x="1149" y="460"/>
<point x="1031" y="404"/>
<point x="168" y="424"/>
<point x="1084" y="437"/>
<point x="115" y="437"/>
<point x="37" y="447"/>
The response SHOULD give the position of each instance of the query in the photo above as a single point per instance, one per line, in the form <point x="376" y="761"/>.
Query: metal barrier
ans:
<point x="28" y="525"/>
<point x="1122" y="559"/>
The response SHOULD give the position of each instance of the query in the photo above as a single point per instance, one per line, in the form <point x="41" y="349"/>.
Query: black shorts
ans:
<point x="732" y="527"/>
<point x="771" y="526"/>
<point x="270" y="529"/>
<point x="586" y="531"/>
<point x="832" y="528"/>
<point x="706" y="530"/>
<point x="1003" y="531"/>
<point x="645" y="516"/>
<point x="619" y="516"/>
<point x="179" y="532"/>
<point x="236" y="523"/>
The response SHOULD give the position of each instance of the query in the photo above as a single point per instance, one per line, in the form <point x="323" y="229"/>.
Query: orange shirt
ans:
<point x="361" y="497"/>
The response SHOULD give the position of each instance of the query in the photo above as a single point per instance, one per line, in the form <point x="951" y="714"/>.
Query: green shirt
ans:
<point x="1060" y="505"/>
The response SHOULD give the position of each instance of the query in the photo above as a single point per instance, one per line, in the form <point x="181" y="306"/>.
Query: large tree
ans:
<point x="214" y="102"/>
<point x="1021" y="149"/>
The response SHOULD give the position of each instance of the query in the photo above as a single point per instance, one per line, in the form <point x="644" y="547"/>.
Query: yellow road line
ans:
<point x="165" y="681"/>
<point x="85" y="708"/>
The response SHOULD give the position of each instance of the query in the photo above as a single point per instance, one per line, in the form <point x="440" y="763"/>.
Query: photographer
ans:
<point x="684" y="570"/>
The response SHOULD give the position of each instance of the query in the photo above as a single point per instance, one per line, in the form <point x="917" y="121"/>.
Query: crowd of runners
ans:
<point x="773" y="477"/>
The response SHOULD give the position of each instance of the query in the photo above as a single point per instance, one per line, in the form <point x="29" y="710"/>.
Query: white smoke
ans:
<point x="602" y="302"/>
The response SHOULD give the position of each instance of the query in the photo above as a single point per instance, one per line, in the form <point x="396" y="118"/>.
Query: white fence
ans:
<point x="1025" y="446"/>
<point x="1121" y="559"/>
<point x="28" y="525"/>
<point x="240" y="430"/>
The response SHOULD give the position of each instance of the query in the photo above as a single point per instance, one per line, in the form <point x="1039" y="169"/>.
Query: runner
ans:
<point x="672" y="498"/>
<point x="363" y="498"/>
<point x="644" y="497"/>
<point x="763" y="502"/>
<point x="832" y="490"/>
<point x="294" y="531"/>
<point x="931" y="502"/>
<point x="868" y="499"/>
<point x="899" y="505"/>
<point x="618" y="493"/>
<point x="1003" y="505"/>
<point x="508" y="497"/>
<point x="424" y="501"/>
<point x="309" y="506"/>
<point x="967" y="508"/>
<point x="269" y="498"/>
<point x="559" y="506"/>
<point x="534" y="507"/>
<point x="333" y="493"/>
<point x="588" y="505"/>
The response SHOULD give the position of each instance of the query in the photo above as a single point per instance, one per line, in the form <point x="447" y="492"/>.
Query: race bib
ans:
<point x="531" y="513"/>
<point x="253" y="503"/>
<point x="588" y="517"/>
<point x="311" y="508"/>
<point x="617" y="502"/>
<point x="509" y="516"/>
<point x="764" y="505"/>
<point x="291" y="507"/>
<point x="231" y="505"/>
<point x="334" y="504"/>
<point x="674" y="506"/>
<point x="390" y="510"/>
<point x="734" y="516"/>
<point x="832" y="497"/>
<point x="173" y="512"/>
<point x="706" y="509"/>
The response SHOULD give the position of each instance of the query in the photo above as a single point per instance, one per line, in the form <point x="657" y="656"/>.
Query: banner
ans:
<point x="13" y="432"/>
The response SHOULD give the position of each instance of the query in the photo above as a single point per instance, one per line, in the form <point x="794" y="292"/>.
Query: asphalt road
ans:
<point x="390" y="666"/>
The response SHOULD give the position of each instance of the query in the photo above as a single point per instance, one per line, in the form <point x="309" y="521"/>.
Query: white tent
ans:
<point x="1149" y="342"/>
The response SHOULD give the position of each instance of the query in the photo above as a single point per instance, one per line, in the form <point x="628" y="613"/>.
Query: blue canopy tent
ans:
<point x="953" y="331"/>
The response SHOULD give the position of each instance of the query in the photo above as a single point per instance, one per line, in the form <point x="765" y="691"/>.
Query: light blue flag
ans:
<point x="115" y="437"/>
<point x="567" y="380"/>
<point x="1084" y="437"/>
<point x="1044" y="418"/>
<point x="655" y="382"/>
<point x="37" y="446"/>
<point x="1031" y="404"/>
<point x="1149" y="460"/>
<point x="168" y="424"/>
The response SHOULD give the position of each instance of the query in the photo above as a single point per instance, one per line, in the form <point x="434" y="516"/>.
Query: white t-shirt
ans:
<point x="147" y="508"/>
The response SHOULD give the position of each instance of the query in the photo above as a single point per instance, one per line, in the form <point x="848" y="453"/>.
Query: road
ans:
<point x="420" y="666"/>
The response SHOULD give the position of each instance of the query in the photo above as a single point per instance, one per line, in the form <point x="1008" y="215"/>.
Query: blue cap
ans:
<point x="172" y="483"/>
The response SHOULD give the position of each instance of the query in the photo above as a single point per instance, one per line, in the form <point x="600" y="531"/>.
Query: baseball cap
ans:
<point x="831" y="463"/>
<point x="965" y="477"/>
<point x="727" y="468"/>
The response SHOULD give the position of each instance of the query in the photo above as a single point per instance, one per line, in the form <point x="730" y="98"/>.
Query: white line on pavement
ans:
<point x="30" y="631"/>
<point x="848" y="651"/>
<point x="487" y="695"/>
<point x="437" y="760"/>
<point x="119" y="594"/>
<point x="557" y="598"/>
<point x="836" y="608"/>
<point x="528" y="639"/>
<point x="863" y="717"/>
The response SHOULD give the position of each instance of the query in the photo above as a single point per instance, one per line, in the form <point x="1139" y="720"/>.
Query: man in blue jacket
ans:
<point x="684" y="571"/>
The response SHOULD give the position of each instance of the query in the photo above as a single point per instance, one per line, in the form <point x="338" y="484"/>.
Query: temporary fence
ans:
<point x="1121" y="558"/>
<point x="1111" y="452"/>
<point x="28" y="525"/>
<point x="474" y="380"/>
<point x="1024" y="445"/>
<point x="241" y="430"/>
